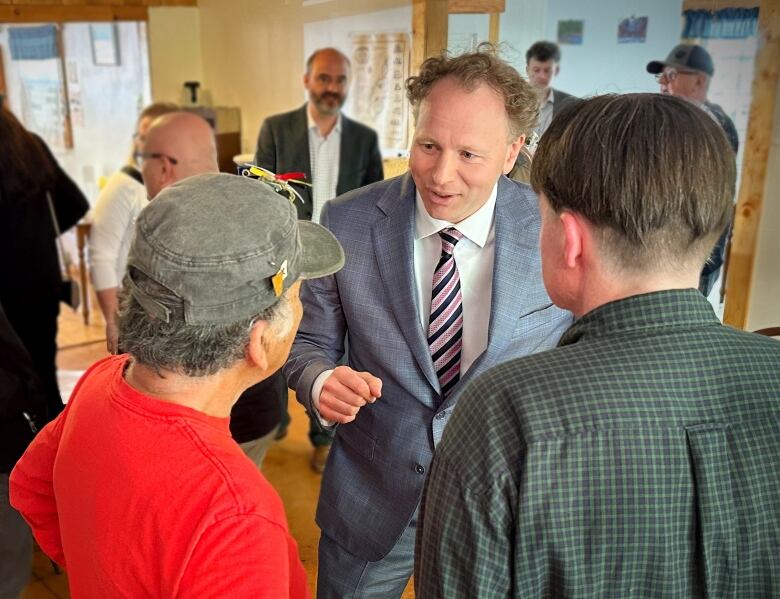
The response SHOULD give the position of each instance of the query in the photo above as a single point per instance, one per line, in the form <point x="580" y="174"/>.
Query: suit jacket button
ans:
<point x="420" y="469"/>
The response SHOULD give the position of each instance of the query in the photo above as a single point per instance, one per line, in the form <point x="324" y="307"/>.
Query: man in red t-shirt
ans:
<point x="137" y="489"/>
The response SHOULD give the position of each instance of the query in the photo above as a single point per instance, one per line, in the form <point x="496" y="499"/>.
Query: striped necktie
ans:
<point x="445" y="326"/>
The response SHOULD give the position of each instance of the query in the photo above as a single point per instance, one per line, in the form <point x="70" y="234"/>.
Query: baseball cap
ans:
<point x="684" y="56"/>
<point x="227" y="246"/>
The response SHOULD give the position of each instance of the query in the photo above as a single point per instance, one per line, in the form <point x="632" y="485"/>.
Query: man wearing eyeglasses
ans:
<point x="686" y="73"/>
<point x="177" y="145"/>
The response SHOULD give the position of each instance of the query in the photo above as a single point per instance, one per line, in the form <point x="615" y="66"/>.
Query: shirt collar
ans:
<point x="645" y="312"/>
<point x="312" y="125"/>
<point x="476" y="227"/>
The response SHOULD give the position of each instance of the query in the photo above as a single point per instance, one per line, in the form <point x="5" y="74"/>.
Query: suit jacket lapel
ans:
<point x="299" y="148"/>
<point x="516" y="234"/>
<point x="345" y="155"/>
<point x="394" y="250"/>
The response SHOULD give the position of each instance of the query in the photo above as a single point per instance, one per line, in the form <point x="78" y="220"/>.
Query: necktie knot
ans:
<point x="449" y="239"/>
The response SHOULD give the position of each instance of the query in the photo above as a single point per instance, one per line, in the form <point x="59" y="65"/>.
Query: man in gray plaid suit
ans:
<point x="640" y="457"/>
<point x="442" y="281"/>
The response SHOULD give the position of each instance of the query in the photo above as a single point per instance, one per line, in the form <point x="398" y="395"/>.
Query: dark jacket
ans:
<point x="22" y="403"/>
<point x="283" y="147"/>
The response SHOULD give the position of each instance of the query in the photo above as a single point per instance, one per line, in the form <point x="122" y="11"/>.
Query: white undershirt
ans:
<point x="474" y="256"/>
<point x="324" y="161"/>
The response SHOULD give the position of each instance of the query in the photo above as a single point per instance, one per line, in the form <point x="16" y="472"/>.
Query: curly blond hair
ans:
<point x="483" y="66"/>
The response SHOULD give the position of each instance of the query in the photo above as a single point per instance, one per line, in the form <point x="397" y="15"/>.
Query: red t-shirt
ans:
<point x="137" y="497"/>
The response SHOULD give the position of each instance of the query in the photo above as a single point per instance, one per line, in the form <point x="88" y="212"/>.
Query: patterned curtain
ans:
<point x="728" y="23"/>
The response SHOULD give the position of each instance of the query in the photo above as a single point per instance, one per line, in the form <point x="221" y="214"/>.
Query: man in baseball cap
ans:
<point x="686" y="73"/>
<point x="150" y="495"/>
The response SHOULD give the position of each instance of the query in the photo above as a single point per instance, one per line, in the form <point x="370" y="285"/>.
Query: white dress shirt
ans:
<point x="474" y="256"/>
<point x="324" y="160"/>
<point x="546" y="113"/>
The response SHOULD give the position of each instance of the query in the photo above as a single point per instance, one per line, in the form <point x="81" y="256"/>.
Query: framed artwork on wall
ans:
<point x="105" y="44"/>
<point x="632" y="30"/>
<point x="571" y="32"/>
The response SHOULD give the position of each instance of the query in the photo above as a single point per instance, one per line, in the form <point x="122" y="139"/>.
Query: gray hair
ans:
<point x="194" y="350"/>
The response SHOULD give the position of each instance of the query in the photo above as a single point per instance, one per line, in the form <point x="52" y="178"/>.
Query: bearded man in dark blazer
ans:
<point x="336" y="154"/>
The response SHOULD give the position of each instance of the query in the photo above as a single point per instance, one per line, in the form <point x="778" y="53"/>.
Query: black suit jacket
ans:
<point x="562" y="99"/>
<point x="283" y="147"/>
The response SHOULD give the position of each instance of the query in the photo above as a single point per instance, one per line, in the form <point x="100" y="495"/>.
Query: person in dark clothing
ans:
<point x="686" y="73"/>
<point x="30" y="273"/>
<point x="21" y="405"/>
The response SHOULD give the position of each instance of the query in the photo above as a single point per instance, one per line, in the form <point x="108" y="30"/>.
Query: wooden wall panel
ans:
<point x="476" y="6"/>
<point x="754" y="166"/>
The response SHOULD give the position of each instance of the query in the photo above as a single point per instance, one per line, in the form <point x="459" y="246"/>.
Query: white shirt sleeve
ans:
<point x="113" y="219"/>
<point x="316" y="390"/>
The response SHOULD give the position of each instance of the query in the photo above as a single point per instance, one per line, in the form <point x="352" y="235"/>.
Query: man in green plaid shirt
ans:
<point x="641" y="457"/>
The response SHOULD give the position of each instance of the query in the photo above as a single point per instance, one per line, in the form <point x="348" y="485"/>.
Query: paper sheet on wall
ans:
<point x="43" y="101"/>
<point x="380" y="65"/>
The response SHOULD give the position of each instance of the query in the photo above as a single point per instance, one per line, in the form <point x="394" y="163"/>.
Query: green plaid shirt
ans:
<point x="640" y="458"/>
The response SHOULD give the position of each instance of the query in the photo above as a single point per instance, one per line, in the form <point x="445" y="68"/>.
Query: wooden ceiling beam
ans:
<point x="475" y="6"/>
<point x="52" y="13"/>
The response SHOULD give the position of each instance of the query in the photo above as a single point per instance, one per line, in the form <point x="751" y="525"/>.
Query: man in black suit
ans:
<point x="336" y="154"/>
<point x="542" y="65"/>
<point x="296" y="141"/>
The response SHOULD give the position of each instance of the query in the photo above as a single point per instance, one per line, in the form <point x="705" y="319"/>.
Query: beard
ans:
<point x="327" y="103"/>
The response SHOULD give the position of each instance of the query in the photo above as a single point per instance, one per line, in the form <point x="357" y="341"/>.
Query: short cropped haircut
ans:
<point x="543" y="51"/>
<point x="654" y="173"/>
<point x="192" y="350"/>
<point x="310" y="60"/>
<point x="482" y="66"/>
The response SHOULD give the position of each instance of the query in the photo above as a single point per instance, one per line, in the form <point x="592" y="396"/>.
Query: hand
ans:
<point x="112" y="337"/>
<point x="345" y="392"/>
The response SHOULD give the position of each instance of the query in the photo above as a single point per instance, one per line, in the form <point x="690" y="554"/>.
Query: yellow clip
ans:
<point x="278" y="279"/>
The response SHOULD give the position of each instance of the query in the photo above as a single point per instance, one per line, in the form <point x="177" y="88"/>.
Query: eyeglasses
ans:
<point x="141" y="157"/>
<point x="670" y="75"/>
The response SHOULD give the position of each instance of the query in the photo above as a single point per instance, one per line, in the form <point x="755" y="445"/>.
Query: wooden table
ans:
<point x="82" y="233"/>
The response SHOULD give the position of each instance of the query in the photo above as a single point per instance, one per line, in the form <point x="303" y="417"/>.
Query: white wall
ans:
<point x="464" y="32"/>
<point x="600" y="64"/>
<point x="764" y="307"/>
<point x="175" y="54"/>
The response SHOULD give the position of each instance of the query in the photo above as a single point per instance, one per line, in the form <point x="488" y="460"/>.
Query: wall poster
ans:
<point x="570" y="32"/>
<point x="380" y="66"/>
<point x="632" y="30"/>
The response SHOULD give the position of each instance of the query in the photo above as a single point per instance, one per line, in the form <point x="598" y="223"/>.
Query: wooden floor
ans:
<point x="286" y="465"/>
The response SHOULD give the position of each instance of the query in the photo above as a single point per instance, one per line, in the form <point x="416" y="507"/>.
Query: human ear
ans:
<point x="256" y="350"/>
<point x="574" y="239"/>
<point x="512" y="152"/>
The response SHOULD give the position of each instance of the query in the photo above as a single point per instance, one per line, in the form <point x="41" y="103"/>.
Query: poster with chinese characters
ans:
<point x="380" y="66"/>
